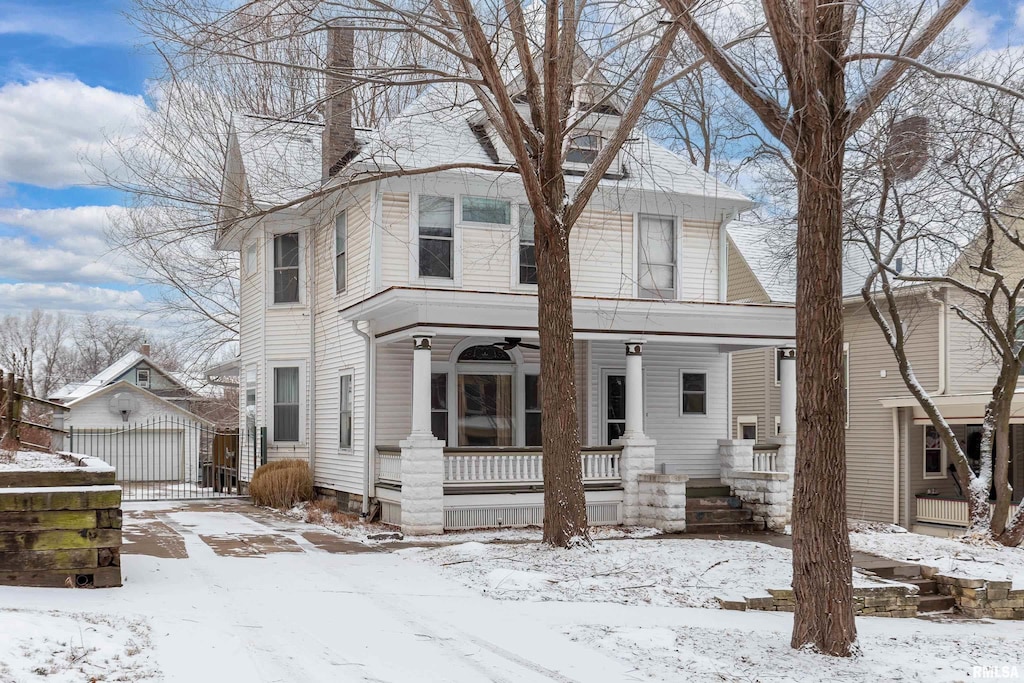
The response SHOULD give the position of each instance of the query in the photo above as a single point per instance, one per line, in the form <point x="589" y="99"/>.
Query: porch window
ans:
<point x="657" y="257"/>
<point x="934" y="456"/>
<point x="527" y="247"/>
<point x="286" y="268"/>
<point x="532" y="414"/>
<point x="286" y="404"/>
<point x="615" y="407"/>
<point x="485" y="410"/>
<point x="436" y="236"/>
<point x="694" y="393"/>
<point x="340" y="249"/>
<point x="439" y="405"/>
<point x="345" y="411"/>
<point x="486" y="210"/>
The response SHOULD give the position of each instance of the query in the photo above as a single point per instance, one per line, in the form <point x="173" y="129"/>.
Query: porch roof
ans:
<point x="398" y="312"/>
<point x="965" y="408"/>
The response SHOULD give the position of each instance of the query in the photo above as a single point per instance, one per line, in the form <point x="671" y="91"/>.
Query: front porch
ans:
<point x="458" y="420"/>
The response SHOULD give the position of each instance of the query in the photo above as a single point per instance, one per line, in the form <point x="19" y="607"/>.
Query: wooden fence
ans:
<point x="13" y="401"/>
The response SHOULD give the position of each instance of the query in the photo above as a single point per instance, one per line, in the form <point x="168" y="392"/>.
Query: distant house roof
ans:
<point x="762" y="246"/>
<point x="122" y="385"/>
<point x="110" y="374"/>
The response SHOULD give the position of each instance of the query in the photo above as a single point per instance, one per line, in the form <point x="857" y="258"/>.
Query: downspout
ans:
<point x="896" y="463"/>
<point x="943" y="346"/>
<point x="369" y="410"/>
<point x="723" y="258"/>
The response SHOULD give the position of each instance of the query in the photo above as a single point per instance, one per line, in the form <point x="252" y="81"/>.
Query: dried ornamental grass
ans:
<point x="282" y="484"/>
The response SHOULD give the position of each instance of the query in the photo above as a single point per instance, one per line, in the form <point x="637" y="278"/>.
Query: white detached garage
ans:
<point x="146" y="438"/>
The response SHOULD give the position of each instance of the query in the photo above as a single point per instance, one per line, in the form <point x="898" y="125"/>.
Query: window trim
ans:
<point x="348" y="374"/>
<point x="682" y="393"/>
<point x="941" y="474"/>
<point x="343" y="216"/>
<point x="778" y="425"/>
<point x="139" y="380"/>
<point x="603" y="407"/>
<point x="677" y="251"/>
<point x="742" y="421"/>
<point x="302" y="270"/>
<point x="455" y="281"/>
<point x="271" y="377"/>
<point x="517" y="282"/>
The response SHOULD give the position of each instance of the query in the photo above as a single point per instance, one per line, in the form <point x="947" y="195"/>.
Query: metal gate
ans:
<point x="167" y="458"/>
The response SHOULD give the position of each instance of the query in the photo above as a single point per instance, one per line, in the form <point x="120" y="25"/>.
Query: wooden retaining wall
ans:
<point x="61" y="528"/>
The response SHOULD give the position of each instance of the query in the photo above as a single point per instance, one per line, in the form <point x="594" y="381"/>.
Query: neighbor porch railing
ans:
<point x="765" y="458"/>
<point x="949" y="511"/>
<point x="503" y="466"/>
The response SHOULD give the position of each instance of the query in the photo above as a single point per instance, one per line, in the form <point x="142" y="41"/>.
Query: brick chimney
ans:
<point x="144" y="349"/>
<point x="339" y="140"/>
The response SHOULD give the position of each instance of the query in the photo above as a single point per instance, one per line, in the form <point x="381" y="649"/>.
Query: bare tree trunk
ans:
<point x="1001" y="472"/>
<point x="822" y="568"/>
<point x="565" y="510"/>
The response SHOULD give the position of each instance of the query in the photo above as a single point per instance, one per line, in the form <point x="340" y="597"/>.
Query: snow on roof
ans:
<point x="436" y="129"/>
<point x="281" y="157"/>
<point x="762" y="246"/>
<point x="77" y="390"/>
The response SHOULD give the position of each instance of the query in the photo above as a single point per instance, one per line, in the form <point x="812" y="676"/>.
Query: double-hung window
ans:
<point x="527" y="247"/>
<point x="657" y="257"/>
<point x="142" y="378"/>
<point x="694" y="393"/>
<point x="340" y="249"/>
<point x="436" y="236"/>
<point x="934" y="454"/>
<point x="531" y="410"/>
<point x="286" y="404"/>
<point x="439" y="405"/>
<point x="583" y="149"/>
<point x="286" y="268"/>
<point x="345" y="411"/>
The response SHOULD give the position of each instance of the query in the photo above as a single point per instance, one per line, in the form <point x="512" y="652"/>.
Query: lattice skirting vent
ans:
<point x="487" y="516"/>
<point x="391" y="513"/>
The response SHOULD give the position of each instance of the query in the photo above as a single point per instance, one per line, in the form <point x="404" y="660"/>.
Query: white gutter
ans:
<point x="369" y="383"/>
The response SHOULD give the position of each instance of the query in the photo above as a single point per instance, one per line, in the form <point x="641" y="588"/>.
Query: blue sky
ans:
<point x="73" y="73"/>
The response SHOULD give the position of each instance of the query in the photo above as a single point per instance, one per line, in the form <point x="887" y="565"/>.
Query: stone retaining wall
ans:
<point x="61" y="527"/>
<point x="663" y="501"/>
<point x="880" y="601"/>
<point x="766" y="494"/>
<point x="979" y="598"/>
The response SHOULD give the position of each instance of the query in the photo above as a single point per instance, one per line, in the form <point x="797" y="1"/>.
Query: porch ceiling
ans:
<point x="397" y="312"/>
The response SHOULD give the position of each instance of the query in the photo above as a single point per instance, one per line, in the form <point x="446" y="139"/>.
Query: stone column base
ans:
<point x="637" y="459"/>
<point x="663" y="501"/>
<point x="766" y="494"/>
<point x="422" y="486"/>
<point x="736" y="455"/>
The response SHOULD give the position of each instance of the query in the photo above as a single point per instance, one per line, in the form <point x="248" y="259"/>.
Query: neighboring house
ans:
<point x="388" y="325"/>
<point x="137" y="417"/>
<point x="896" y="470"/>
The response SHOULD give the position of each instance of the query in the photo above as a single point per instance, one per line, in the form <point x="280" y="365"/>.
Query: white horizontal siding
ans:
<point x="395" y="248"/>
<point x="700" y="267"/>
<point x="687" y="441"/>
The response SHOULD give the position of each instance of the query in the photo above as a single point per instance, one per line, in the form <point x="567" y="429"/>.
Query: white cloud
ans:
<point x="978" y="26"/>
<point x="51" y="125"/>
<point x="67" y="297"/>
<point x="63" y="222"/>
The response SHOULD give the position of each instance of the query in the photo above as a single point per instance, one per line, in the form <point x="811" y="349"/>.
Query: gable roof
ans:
<point x="757" y="243"/>
<point x="77" y="390"/>
<point x="123" y="385"/>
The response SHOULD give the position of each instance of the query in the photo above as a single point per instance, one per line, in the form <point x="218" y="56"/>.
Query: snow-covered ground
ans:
<point x="264" y="598"/>
<point x="685" y="573"/>
<point x="954" y="557"/>
<point x="34" y="460"/>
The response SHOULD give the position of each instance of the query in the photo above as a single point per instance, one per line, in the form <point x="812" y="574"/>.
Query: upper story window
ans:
<point x="657" y="257"/>
<point x="340" y="249"/>
<point x="142" y="378"/>
<point x="583" y="149"/>
<point x="527" y="247"/>
<point x="286" y="268"/>
<point x="436" y="236"/>
<point x="486" y="210"/>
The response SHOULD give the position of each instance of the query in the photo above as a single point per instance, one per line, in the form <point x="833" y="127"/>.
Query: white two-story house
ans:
<point x="398" y="303"/>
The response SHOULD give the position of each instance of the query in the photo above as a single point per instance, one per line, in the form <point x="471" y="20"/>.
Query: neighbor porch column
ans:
<point x="422" y="454"/>
<point x="787" y="387"/>
<point x="637" y="450"/>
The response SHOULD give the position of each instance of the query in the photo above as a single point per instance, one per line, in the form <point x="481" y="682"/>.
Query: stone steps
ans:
<point x="935" y="603"/>
<point x="725" y="515"/>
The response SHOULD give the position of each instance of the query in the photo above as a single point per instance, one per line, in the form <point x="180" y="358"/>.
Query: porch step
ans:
<point x="723" y="528"/>
<point x="712" y="502"/>
<point x="935" y="603"/>
<point x="924" y="586"/>
<point x="718" y="516"/>
<point x="895" y="570"/>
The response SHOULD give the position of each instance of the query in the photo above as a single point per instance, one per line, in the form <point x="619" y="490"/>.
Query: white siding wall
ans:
<point x="688" y="441"/>
<point x="700" y="264"/>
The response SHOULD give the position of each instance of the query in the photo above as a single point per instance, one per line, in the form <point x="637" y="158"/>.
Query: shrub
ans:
<point x="282" y="484"/>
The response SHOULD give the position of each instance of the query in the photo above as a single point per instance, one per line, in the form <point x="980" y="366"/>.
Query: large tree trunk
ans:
<point x="565" y="510"/>
<point x="1001" y="471"/>
<point x="822" y="571"/>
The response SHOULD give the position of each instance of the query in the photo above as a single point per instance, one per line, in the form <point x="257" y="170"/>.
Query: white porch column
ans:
<point x="787" y="386"/>
<point x="634" y="389"/>
<point x="421" y="385"/>
<point x="422" y="454"/>
<point x="637" y="450"/>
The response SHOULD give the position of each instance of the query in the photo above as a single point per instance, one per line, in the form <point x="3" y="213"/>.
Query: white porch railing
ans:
<point x="464" y="466"/>
<point x="765" y="459"/>
<point x="503" y="466"/>
<point x="948" y="511"/>
<point x="389" y="465"/>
